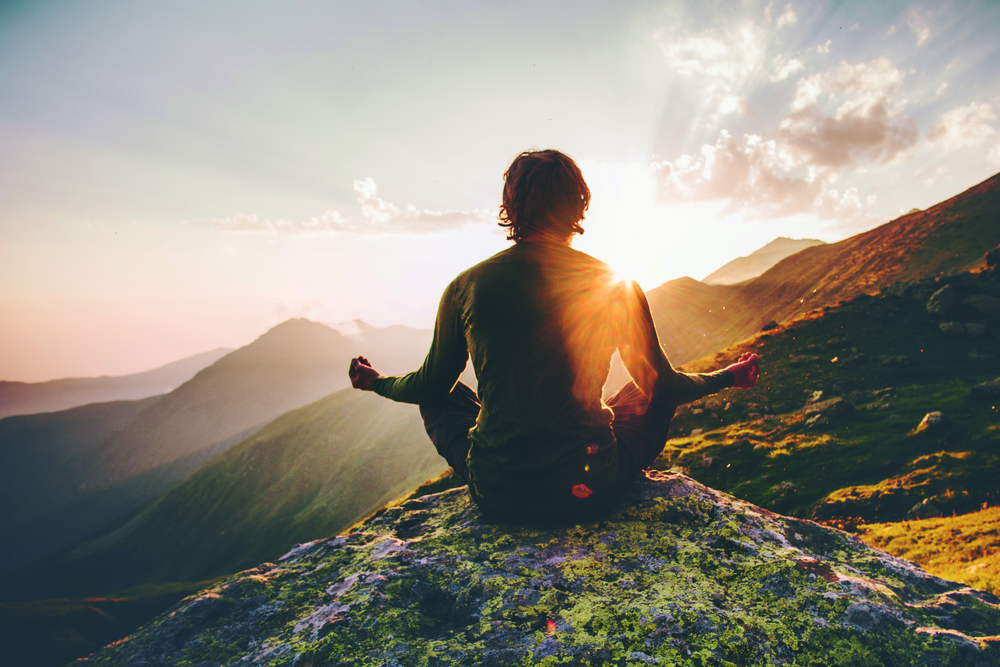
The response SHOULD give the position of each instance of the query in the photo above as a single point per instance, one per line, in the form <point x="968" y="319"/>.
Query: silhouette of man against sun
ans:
<point x="541" y="321"/>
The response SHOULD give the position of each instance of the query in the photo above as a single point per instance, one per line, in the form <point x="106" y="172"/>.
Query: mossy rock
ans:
<point x="679" y="575"/>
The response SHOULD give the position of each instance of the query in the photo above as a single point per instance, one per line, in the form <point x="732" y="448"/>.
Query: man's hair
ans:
<point x="543" y="191"/>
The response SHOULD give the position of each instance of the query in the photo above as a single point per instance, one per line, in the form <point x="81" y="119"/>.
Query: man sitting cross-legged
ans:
<point x="541" y="322"/>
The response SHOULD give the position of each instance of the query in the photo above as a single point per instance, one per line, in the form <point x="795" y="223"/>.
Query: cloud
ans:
<point x="919" y="27"/>
<point x="847" y="115"/>
<point x="378" y="216"/>
<point x="964" y="126"/>
<point x="784" y="69"/>
<point x="752" y="176"/>
<point x="824" y="48"/>
<point x="993" y="157"/>
<point x="788" y="17"/>
<point x="839" y="118"/>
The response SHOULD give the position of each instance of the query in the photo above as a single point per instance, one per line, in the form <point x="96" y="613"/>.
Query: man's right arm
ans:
<point x="434" y="380"/>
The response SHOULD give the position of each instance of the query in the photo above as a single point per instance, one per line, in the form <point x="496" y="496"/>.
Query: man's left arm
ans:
<point x="651" y="370"/>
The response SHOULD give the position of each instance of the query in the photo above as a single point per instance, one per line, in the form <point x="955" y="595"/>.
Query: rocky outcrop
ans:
<point x="681" y="574"/>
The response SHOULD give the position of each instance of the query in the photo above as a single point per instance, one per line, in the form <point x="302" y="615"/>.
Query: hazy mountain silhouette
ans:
<point x="308" y="474"/>
<point x="759" y="261"/>
<point x="64" y="475"/>
<point x="28" y="398"/>
<point x="694" y="319"/>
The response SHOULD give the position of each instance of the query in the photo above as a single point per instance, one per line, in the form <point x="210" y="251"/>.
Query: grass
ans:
<point x="963" y="548"/>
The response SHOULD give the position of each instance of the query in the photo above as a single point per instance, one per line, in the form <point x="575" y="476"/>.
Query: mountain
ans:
<point x="680" y="574"/>
<point x="742" y="269"/>
<point x="949" y="237"/>
<point x="28" y="398"/>
<point x="310" y="473"/>
<point x="67" y="474"/>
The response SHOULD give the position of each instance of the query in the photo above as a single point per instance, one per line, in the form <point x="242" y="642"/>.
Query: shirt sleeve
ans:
<point x="434" y="380"/>
<point x="648" y="364"/>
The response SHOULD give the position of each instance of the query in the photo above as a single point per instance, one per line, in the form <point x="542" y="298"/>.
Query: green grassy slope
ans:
<point x="56" y="499"/>
<point x="46" y="633"/>
<point x="308" y="474"/>
<point x="962" y="548"/>
<point x="893" y="365"/>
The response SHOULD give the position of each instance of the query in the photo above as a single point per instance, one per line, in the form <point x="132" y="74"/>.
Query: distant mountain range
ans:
<point x="304" y="476"/>
<point x="695" y="319"/>
<point x="64" y="475"/>
<point x="28" y="398"/>
<point x="759" y="261"/>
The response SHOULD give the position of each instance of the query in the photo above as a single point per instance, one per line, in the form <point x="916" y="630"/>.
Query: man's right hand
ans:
<point x="362" y="374"/>
<point x="746" y="370"/>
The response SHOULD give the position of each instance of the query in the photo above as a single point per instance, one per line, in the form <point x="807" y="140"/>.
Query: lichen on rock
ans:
<point x="679" y="575"/>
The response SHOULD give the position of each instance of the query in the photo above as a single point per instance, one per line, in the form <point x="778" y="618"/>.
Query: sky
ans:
<point x="182" y="176"/>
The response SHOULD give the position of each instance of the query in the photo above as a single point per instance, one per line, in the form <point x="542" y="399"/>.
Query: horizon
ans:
<point x="183" y="179"/>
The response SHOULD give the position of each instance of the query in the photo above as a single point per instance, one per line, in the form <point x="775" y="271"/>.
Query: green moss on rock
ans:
<point x="680" y="575"/>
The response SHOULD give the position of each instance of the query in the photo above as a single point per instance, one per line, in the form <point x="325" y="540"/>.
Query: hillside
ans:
<point x="946" y="238"/>
<point x="680" y="574"/>
<point x="28" y="398"/>
<point x="742" y="269"/>
<point x="118" y="458"/>
<point x="308" y="474"/>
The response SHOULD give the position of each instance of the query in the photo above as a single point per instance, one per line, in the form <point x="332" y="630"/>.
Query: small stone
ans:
<point x="783" y="487"/>
<point x="989" y="389"/>
<point x="758" y="447"/>
<point x="952" y="328"/>
<point x="697" y="411"/>
<point x="975" y="330"/>
<point x="728" y="405"/>
<point x="696" y="431"/>
<point x="984" y="305"/>
<point x="941" y="301"/>
<point x="706" y="461"/>
<point x="932" y="420"/>
<point x="924" y="510"/>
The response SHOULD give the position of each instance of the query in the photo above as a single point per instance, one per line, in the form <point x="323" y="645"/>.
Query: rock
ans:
<point x="942" y="301"/>
<point x="923" y="510"/>
<point x="696" y="431"/>
<point x="984" y="305"/>
<point x="815" y="396"/>
<point x="952" y="328"/>
<point x="989" y="389"/>
<point x="855" y="360"/>
<point x="678" y="570"/>
<point x="834" y="407"/>
<point x="802" y="359"/>
<point x="932" y="420"/>
<point x="783" y="487"/>
<point x="706" y="461"/>
<point x="898" y="360"/>
<point x="975" y="330"/>
<point x="992" y="257"/>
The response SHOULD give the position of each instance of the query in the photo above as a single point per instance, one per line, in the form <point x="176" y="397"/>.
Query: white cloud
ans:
<point x="378" y="217"/>
<point x="964" y="126"/>
<point x="993" y="157"/>
<point x="919" y="27"/>
<point x="788" y="17"/>
<point x="824" y="48"/>
<point x="784" y="69"/>
<point x="846" y="115"/>
<point x="752" y="175"/>
<point x="940" y="89"/>
<point x="891" y="30"/>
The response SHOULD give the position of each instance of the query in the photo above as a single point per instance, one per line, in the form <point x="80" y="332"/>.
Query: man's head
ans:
<point x="544" y="193"/>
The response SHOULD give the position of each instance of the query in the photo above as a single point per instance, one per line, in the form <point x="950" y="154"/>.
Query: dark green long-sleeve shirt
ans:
<point x="541" y="322"/>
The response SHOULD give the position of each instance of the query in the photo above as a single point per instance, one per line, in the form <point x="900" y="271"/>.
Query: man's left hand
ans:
<point x="746" y="370"/>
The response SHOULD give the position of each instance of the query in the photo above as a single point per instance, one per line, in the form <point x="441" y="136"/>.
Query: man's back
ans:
<point x="541" y="322"/>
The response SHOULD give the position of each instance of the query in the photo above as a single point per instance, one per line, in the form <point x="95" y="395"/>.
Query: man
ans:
<point x="541" y="322"/>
